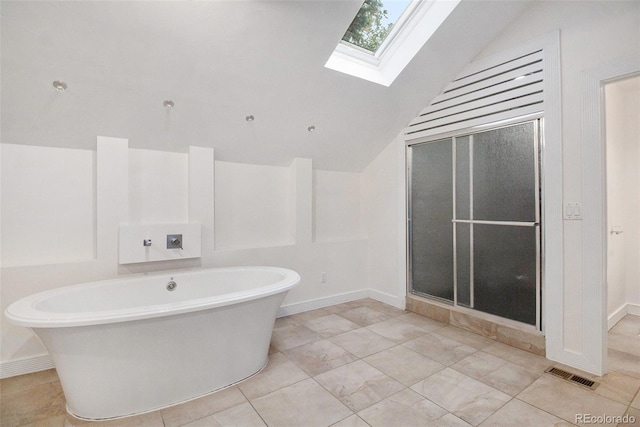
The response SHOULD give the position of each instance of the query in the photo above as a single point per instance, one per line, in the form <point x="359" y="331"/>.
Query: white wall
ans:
<point x="53" y="226"/>
<point x="157" y="187"/>
<point x="383" y="201"/>
<point x="62" y="209"/>
<point x="252" y="206"/>
<point x="591" y="34"/>
<point x="336" y="206"/>
<point x="622" y="106"/>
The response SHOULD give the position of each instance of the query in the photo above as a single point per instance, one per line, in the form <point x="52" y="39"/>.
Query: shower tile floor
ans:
<point x="364" y="363"/>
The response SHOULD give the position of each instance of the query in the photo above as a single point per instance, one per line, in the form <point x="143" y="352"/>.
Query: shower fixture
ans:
<point x="60" y="86"/>
<point x="168" y="105"/>
<point x="311" y="128"/>
<point x="174" y="241"/>
<point x="249" y="118"/>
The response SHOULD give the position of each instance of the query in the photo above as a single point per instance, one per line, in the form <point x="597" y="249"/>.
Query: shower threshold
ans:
<point x="508" y="332"/>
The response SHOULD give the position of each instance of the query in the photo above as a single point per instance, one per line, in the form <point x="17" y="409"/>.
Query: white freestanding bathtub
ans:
<point x="133" y="345"/>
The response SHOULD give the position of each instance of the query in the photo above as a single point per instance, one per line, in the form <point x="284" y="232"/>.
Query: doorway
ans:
<point x="594" y="228"/>
<point x="622" y="141"/>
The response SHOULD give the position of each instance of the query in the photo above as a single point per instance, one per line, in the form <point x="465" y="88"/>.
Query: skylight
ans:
<point x="377" y="46"/>
<point x="373" y="23"/>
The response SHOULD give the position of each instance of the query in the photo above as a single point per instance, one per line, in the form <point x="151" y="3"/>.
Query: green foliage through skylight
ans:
<point x="373" y="22"/>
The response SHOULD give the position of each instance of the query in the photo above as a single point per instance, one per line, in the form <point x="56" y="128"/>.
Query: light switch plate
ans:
<point x="573" y="211"/>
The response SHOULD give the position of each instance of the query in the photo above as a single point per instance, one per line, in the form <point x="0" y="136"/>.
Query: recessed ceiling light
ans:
<point x="311" y="128"/>
<point x="250" y="118"/>
<point x="168" y="105"/>
<point x="60" y="86"/>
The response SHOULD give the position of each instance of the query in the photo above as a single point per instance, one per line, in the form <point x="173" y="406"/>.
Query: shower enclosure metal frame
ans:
<point x="538" y="122"/>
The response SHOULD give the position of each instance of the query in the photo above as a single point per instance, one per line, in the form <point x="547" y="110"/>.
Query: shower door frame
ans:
<point x="538" y="120"/>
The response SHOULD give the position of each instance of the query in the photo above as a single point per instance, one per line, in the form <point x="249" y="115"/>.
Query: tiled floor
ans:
<point x="364" y="363"/>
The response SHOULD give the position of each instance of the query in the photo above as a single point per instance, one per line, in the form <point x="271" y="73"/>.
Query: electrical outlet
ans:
<point x="323" y="277"/>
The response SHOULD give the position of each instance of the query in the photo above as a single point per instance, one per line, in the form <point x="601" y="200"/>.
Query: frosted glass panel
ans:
<point x="478" y="185"/>
<point x="504" y="174"/>
<point x="462" y="178"/>
<point x="463" y="263"/>
<point x="431" y="214"/>
<point x="504" y="271"/>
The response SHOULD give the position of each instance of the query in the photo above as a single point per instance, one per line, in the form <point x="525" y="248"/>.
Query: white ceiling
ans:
<point x="219" y="61"/>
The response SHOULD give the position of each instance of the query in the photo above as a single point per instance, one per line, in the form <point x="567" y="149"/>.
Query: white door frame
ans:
<point x="594" y="234"/>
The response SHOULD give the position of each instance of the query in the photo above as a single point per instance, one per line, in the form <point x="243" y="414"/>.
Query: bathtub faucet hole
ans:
<point x="171" y="285"/>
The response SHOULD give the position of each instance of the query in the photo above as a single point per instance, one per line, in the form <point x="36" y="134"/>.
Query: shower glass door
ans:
<point x="474" y="222"/>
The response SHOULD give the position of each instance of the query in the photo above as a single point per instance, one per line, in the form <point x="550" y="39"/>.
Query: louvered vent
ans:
<point x="592" y="385"/>
<point x="498" y="92"/>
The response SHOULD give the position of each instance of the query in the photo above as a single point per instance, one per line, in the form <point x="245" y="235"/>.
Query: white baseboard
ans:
<point x="301" y="307"/>
<point x="26" y="365"/>
<point x="29" y="365"/>
<point x="633" y="309"/>
<point x="388" y="299"/>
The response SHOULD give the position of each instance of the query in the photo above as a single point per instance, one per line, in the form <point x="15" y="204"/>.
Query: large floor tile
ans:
<point x="280" y="372"/>
<point x="422" y="322"/>
<point x="241" y="415"/>
<point x="625" y="363"/>
<point x="635" y="403"/>
<point x="352" y="421"/>
<point x="624" y="343"/>
<point x="404" y="365"/>
<point x="364" y="316"/>
<point x="461" y="395"/>
<point x="37" y="403"/>
<point x="312" y="314"/>
<point x="330" y="325"/>
<point x="522" y="358"/>
<point x="151" y="419"/>
<point x="25" y="382"/>
<point x="465" y="337"/>
<point x="203" y="407"/>
<point x="301" y="404"/>
<point x="439" y="348"/>
<point x="362" y="342"/>
<point x="628" y="326"/>
<point x="293" y="335"/>
<point x="631" y="414"/>
<point x="396" y="330"/>
<point x="469" y="389"/>
<point x="319" y="356"/>
<point x="565" y="400"/>
<point x="619" y="387"/>
<point x="407" y="408"/>
<point x="496" y="372"/>
<point x="358" y="385"/>
<point x="518" y="413"/>
<point x="383" y="308"/>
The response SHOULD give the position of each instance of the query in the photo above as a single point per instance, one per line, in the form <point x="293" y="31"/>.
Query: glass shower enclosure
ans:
<point x="474" y="221"/>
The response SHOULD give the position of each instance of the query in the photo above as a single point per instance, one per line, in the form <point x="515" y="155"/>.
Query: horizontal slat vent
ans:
<point x="499" y="91"/>
<point x="576" y="379"/>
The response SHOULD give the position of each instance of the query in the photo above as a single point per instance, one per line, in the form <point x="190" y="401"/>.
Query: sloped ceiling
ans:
<point x="219" y="61"/>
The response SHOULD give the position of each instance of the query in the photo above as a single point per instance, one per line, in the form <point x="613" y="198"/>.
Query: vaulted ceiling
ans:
<point x="218" y="61"/>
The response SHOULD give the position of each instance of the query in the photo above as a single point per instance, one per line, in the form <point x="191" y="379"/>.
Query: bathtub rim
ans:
<point x="23" y="312"/>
